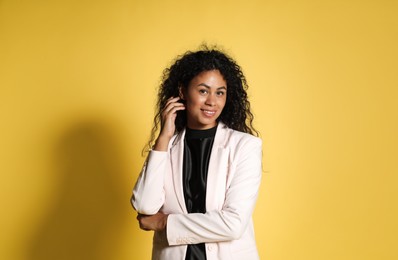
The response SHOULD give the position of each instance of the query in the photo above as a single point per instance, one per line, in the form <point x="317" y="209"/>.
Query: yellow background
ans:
<point x="78" y="83"/>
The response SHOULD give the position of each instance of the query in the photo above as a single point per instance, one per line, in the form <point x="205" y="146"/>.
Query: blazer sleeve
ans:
<point x="148" y="193"/>
<point x="231" y="221"/>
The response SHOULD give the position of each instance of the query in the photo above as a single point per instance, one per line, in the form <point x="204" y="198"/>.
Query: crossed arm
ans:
<point x="225" y="224"/>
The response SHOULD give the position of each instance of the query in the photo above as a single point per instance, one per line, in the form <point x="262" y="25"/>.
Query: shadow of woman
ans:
<point x="89" y="206"/>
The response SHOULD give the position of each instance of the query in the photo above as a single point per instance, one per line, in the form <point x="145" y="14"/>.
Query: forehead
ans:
<point x="210" y="78"/>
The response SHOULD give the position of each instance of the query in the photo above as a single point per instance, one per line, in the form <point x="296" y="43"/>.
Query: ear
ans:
<point x="181" y="92"/>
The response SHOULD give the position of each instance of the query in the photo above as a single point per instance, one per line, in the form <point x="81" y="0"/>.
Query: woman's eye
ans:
<point x="202" y="91"/>
<point x="220" y="93"/>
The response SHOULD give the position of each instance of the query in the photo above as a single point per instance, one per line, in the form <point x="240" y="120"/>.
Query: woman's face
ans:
<point x="205" y="99"/>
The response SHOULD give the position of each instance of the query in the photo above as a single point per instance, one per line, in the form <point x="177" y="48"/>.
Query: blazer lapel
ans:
<point x="176" y="156"/>
<point x="217" y="171"/>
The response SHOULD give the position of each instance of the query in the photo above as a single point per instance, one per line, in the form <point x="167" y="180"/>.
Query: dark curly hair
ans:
<point x="236" y="113"/>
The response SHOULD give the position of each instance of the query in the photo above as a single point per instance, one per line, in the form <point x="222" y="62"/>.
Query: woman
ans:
<point x="199" y="184"/>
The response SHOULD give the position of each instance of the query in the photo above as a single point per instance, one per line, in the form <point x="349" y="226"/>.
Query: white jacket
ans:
<point x="233" y="181"/>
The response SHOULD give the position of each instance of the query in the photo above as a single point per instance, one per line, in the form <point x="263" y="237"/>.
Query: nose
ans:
<point x="210" y="100"/>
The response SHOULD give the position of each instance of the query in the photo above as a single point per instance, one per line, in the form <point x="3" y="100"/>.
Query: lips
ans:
<point x="208" y="112"/>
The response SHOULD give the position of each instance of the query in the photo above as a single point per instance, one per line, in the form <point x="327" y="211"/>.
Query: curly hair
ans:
<point x="236" y="113"/>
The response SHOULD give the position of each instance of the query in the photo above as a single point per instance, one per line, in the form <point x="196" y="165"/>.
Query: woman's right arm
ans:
<point x="148" y="194"/>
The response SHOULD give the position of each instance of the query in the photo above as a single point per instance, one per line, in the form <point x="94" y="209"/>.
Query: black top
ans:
<point x="197" y="150"/>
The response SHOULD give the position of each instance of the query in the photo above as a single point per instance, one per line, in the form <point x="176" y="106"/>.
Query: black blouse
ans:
<point x="197" y="149"/>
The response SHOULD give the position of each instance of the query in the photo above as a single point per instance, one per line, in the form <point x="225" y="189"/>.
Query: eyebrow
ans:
<point x="207" y="86"/>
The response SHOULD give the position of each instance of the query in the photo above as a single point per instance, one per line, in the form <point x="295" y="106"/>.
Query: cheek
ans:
<point x="223" y="102"/>
<point x="193" y="101"/>
<point x="222" y="105"/>
<point x="190" y="106"/>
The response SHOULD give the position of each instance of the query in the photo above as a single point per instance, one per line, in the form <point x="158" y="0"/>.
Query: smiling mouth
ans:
<point x="208" y="112"/>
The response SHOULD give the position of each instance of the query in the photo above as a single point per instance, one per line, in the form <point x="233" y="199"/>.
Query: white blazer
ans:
<point x="233" y="181"/>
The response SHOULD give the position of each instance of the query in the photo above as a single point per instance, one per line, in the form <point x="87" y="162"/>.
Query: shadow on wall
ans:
<point x="89" y="207"/>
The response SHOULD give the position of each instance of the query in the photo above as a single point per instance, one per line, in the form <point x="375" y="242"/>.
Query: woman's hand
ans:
<point x="155" y="222"/>
<point x="168" y="117"/>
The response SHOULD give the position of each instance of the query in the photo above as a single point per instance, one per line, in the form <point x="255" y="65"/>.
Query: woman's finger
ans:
<point x="169" y="115"/>
<point x="171" y="101"/>
<point x="175" y="108"/>
<point x="140" y="219"/>
<point x="170" y="111"/>
<point x="171" y="105"/>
